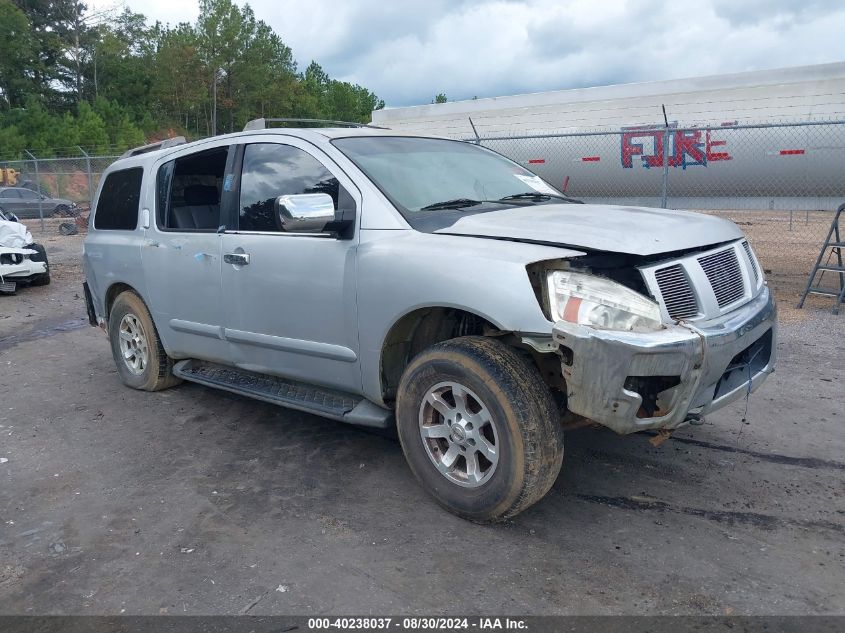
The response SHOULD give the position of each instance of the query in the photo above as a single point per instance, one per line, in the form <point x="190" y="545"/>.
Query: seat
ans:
<point x="201" y="209"/>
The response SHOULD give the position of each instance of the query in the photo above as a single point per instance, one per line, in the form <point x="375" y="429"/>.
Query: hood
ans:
<point x="628" y="230"/>
<point x="14" y="235"/>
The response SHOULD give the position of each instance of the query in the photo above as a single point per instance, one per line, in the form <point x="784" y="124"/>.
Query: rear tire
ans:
<point x="479" y="428"/>
<point x="41" y="256"/>
<point x="136" y="347"/>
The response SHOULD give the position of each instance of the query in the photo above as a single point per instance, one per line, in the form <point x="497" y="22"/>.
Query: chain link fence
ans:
<point x="780" y="182"/>
<point x="56" y="181"/>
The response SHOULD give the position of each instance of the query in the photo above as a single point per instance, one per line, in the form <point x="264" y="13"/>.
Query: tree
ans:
<point x="223" y="30"/>
<point x="122" y="133"/>
<point x="440" y="98"/>
<point x="176" y="91"/>
<point x="12" y="142"/>
<point x="63" y="37"/>
<point x="37" y="125"/>
<point x="93" y="136"/>
<point x="17" y="57"/>
<point x="70" y="76"/>
<point x="121" y="65"/>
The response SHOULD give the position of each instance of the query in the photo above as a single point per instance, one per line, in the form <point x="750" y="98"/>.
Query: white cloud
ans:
<point x="407" y="51"/>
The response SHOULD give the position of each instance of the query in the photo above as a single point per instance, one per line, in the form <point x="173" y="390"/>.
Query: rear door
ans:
<point x="10" y="200"/>
<point x="291" y="306"/>
<point x="181" y="253"/>
<point x="31" y="204"/>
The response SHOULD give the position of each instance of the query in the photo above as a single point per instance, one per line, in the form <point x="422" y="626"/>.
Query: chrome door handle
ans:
<point x="238" y="259"/>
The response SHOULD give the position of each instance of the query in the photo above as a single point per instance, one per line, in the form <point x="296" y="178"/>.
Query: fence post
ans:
<point x="38" y="184"/>
<point x="474" y="131"/>
<point x="664" y="194"/>
<point x="90" y="178"/>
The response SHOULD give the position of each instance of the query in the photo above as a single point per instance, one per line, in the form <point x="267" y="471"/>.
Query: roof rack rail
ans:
<point x="261" y="124"/>
<point x="168" y="142"/>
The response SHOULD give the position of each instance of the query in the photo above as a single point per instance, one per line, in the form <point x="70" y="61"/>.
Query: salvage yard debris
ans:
<point x="21" y="259"/>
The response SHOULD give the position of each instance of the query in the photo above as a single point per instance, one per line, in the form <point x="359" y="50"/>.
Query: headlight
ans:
<point x="600" y="303"/>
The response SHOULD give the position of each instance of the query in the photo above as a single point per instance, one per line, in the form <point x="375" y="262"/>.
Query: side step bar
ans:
<point x="328" y="403"/>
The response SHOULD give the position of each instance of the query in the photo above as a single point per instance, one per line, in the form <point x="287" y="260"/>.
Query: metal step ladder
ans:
<point x="833" y="245"/>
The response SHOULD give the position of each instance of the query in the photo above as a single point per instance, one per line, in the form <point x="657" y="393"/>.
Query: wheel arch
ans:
<point x="113" y="291"/>
<point x="421" y="328"/>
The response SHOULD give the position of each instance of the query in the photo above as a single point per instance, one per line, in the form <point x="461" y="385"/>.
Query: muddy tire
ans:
<point x="479" y="428"/>
<point x="136" y="347"/>
<point x="40" y="256"/>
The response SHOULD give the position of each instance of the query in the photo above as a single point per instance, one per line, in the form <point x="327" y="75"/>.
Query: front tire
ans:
<point x="479" y="428"/>
<point x="136" y="347"/>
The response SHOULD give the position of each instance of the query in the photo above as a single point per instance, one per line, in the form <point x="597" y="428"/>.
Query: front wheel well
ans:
<point x="112" y="293"/>
<point x="419" y="330"/>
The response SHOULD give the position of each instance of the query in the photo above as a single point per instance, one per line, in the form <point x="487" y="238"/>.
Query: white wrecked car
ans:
<point x="22" y="261"/>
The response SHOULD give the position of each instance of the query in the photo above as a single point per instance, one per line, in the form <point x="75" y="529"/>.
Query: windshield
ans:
<point x="424" y="175"/>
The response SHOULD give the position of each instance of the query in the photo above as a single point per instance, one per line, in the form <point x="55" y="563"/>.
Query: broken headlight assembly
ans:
<point x="600" y="303"/>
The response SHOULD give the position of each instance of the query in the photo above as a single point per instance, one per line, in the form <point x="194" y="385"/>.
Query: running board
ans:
<point x="301" y="396"/>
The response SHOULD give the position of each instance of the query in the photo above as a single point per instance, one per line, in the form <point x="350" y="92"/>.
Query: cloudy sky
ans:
<point x="406" y="51"/>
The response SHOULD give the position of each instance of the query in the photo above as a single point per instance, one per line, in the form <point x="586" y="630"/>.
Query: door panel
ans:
<point x="30" y="204"/>
<point x="183" y="281"/>
<point x="182" y="255"/>
<point x="291" y="310"/>
<point x="11" y="201"/>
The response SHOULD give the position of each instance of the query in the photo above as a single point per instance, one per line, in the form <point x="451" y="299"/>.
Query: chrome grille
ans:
<point x="677" y="292"/>
<point x="725" y="275"/>
<point x="751" y="259"/>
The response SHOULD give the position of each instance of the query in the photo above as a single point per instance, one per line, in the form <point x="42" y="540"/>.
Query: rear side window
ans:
<point x="189" y="190"/>
<point x="117" y="208"/>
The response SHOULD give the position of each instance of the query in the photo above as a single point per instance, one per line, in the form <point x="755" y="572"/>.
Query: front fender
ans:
<point x="402" y="271"/>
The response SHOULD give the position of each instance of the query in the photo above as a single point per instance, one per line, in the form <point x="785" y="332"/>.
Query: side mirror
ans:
<point x="305" y="213"/>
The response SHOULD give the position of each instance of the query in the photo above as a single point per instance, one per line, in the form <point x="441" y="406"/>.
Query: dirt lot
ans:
<point x="200" y="502"/>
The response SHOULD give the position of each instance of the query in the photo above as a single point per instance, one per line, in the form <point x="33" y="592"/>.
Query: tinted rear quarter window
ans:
<point x="117" y="208"/>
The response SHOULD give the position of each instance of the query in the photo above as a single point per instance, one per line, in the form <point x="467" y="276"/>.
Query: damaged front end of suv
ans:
<point x="657" y="342"/>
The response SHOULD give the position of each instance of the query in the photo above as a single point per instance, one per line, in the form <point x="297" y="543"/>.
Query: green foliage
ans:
<point x="92" y="130"/>
<point x="17" y="56"/>
<point x="107" y="82"/>
<point x="12" y="142"/>
<point x="440" y="98"/>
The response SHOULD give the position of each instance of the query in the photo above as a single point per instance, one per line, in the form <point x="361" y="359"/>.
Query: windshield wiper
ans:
<point x="515" y="199"/>
<point x="457" y="203"/>
<point x="537" y="196"/>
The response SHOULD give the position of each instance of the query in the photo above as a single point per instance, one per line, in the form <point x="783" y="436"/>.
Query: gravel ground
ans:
<point x="193" y="501"/>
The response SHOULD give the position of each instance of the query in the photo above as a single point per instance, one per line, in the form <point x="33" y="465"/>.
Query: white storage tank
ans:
<point x="713" y="160"/>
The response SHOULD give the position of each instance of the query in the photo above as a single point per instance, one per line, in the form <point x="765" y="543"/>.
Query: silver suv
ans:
<point x="384" y="279"/>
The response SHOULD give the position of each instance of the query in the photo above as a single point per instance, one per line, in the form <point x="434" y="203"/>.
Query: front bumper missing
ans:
<point x="699" y="367"/>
